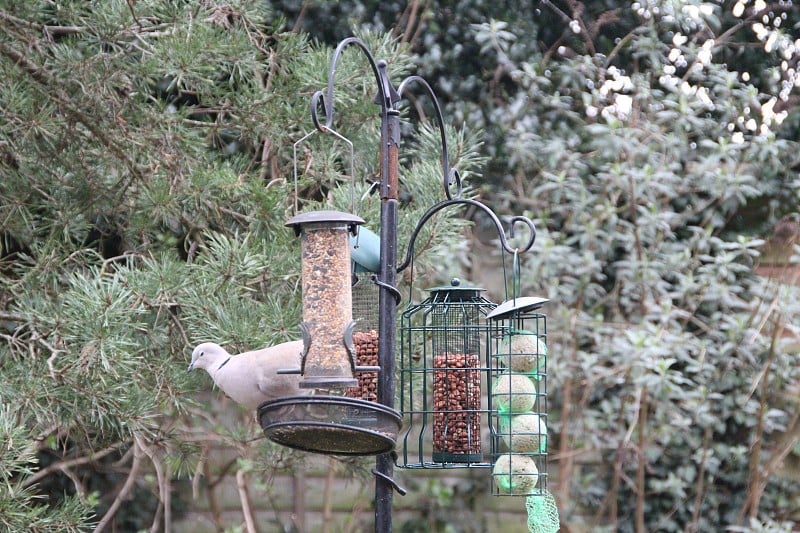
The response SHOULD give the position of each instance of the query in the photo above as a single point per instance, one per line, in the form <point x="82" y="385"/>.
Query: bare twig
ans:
<point x="300" y="16"/>
<point x="51" y="30"/>
<point x="198" y="473"/>
<point x="693" y="526"/>
<point x="642" y="463"/>
<point x="244" y="497"/>
<point x="133" y="14"/>
<point x="124" y="491"/>
<point x="326" y="498"/>
<point x="759" y="476"/>
<point x="79" y="488"/>
<point x="565" y="465"/>
<point x="162" y="478"/>
<point x="69" y="463"/>
<point x="12" y="317"/>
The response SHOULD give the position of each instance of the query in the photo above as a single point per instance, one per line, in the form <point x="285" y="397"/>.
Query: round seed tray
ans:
<point x="334" y="425"/>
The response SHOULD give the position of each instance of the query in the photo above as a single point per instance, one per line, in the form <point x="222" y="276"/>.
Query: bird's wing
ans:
<point x="239" y="378"/>
<point x="284" y="356"/>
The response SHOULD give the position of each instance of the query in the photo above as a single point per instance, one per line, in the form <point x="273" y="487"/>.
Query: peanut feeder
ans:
<point x="444" y="340"/>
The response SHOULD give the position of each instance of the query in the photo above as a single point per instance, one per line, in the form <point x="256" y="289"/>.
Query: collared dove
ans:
<point x="251" y="378"/>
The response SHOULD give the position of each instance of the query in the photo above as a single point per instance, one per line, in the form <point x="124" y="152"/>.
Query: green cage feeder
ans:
<point x="442" y="367"/>
<point x="518" y="397"/>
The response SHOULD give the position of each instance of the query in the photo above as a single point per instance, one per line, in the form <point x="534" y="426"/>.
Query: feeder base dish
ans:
<point x="334" y="425"/>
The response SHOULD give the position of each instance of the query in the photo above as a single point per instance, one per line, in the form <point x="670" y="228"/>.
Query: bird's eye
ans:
<point x="202" y="354"/>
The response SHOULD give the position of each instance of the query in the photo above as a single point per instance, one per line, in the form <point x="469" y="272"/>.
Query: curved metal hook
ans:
<point x="325" y="100"/>
<point x="500" y="232"/>
<point x="448" y="175"/>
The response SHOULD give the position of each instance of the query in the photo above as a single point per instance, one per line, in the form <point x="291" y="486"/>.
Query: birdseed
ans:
<point x="456" y="404"/>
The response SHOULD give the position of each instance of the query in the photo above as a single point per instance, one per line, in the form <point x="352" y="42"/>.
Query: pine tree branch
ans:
<point x="13" y="317"/>
<point x="44" y="78"/>
<point x="51" y="30"/>
<point x="69" y="463"/>
<point x="60" y="30"/>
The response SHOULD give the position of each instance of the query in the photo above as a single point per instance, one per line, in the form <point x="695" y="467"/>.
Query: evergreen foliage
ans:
<point x="146" y="179"/>
<point x="652" y="171"/>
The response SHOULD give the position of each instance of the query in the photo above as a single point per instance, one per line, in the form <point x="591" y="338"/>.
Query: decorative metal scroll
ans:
<point x="464" y="201"/>
<point x="387" y="98"/>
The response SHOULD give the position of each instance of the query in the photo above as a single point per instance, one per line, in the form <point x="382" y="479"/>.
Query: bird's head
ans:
<point x="205" y="355"/>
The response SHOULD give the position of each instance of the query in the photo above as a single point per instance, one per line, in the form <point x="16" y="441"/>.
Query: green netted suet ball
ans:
<point x="515" y="474"/>
<point x="542" y="513"/>
<point x="514" y="393"/>
<point x="524" y="433"/>
<point x="524" y="351"/>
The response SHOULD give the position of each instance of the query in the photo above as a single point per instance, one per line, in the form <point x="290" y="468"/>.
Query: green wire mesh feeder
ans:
<point x="472" y="370"/>
<point x="518" y="406"/>
<point x="443" y="358"/>
<point x="518" y="396"/>
<point x="467" y="365"/>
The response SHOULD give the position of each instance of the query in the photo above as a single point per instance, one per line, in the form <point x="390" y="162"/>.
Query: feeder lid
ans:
<point x="324" y="217"/>
<point x="455" y="286"/>
<point x="517" y="305"/>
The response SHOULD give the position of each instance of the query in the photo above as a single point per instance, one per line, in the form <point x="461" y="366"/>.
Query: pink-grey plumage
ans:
<point x="251" y="378"/>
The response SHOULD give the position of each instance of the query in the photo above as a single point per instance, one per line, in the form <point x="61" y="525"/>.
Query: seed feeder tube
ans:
<point x="328" y="359"/>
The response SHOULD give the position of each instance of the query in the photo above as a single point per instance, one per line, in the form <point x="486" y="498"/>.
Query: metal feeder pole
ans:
<point x="387" y="300"/>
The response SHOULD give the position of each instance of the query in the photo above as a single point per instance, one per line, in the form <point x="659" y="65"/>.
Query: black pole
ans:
<point x="390" y="141"/>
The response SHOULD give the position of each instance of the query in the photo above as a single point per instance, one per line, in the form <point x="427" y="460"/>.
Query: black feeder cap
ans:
<point x="517" y="305"/>
<point x="335" y="425"/>
<point x="455" y="292"/>
<point x="325" y="217"/>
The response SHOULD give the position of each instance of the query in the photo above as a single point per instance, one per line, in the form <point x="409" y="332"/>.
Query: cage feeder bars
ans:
<point x="355" y="426"/>
<point x="518" y="395"/>
<point x="442" y="359"/>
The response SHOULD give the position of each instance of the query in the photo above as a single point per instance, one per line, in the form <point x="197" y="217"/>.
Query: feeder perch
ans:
<point x="518" y="397"/>
<point x="443" y="342"/>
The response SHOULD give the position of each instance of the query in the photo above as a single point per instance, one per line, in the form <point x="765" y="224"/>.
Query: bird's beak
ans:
<point x="191" y="367"/>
